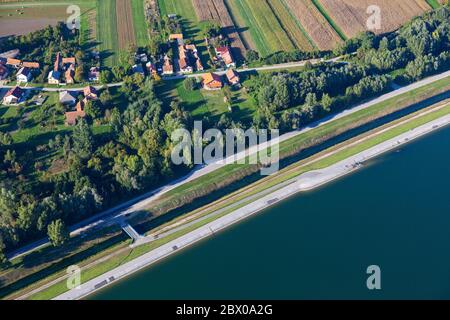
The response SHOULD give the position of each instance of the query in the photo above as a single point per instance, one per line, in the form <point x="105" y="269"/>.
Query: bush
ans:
<point x="190" y="84"/>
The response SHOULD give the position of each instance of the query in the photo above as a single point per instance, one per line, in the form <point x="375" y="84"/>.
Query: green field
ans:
<point x="107" y="31"/>
<point x="140" y="25"/>
<point x="434" y="3"/>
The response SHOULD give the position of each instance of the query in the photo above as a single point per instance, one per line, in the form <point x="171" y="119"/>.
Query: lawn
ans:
<point x="140" y="25"/>
<point x="107" y="31"/>
<point x="434" y="3"/>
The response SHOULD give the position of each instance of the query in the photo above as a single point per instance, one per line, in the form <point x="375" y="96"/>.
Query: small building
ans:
<point x="73" y="116"/>
<point x="69" y="74"/>
<point x="13" y="95"/>
<point x="212" y="81"/>
<point x="10" y="54"/>
<point x="178" y="37"/>
<point x="54" y="77"/>
<point x="90" y="93"/>
<point x="137" y="68"/>
<point x="3" y="72"/>
<point x="167" y="66"/>
<point x="24" y="75"/>
<point x="67" y="98"/>
<point x="94" y="74"/>
<point x="70" y="60"/>
<point x="57" y="64"/>
<point x="224" y="53"/>
<point x="13" y="62"/>
<point x="31" y="65"/>
<point x="233" y="77"/>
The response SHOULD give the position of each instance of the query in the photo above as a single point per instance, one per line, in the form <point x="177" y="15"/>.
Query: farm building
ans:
<point x="3" y="72"/>
<point x="57" y="64"/>
<point x="23" y="75"/>
<point x="10" y="54"/>
<point x="212" y="81"/>
<point x="233" y="77"/>
<point x="178" y="37"/>
<point x="31" y="65"/>
<point x="94" y="74"/>
<point x="67" y="98"/>
<point x="70" y="60"/>
<point x="13" y="62"/>
<point x="13" y="95"/>
<point x="73" y="116"/>
<point x="69" y="74"/>
<point x="167" y="66"/>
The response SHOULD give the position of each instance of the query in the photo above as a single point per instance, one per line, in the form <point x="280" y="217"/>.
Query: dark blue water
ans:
<point x="395" y="213"/>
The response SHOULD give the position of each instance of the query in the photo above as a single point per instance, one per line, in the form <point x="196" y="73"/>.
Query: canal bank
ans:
<point x="393" y="213"/>
<point x="318" y="178"/>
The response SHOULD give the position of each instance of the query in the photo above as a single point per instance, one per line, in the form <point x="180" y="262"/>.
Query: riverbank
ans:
<point x="304" y="182"/>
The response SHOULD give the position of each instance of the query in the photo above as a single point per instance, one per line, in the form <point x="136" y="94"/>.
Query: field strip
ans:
<point x="330" y="21"/>
<point x="125" y="24"/>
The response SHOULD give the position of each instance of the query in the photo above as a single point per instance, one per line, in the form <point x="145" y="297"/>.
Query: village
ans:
<point x="181" y="60"/>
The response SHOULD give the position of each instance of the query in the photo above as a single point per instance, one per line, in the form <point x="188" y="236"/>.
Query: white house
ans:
<point x="67" y="98"/>
<point x="13" y="95"/>
<point x="23" y="75"/>
<point x="54" y="77"/>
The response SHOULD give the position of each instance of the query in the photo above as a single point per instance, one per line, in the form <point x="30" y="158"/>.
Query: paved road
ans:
<point x="62" y="88"/>
<point x="306" y="181"/>
<point x="137" y="204"/>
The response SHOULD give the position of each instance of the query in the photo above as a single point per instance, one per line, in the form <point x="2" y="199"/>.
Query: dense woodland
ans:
<point x="134" y="155"/>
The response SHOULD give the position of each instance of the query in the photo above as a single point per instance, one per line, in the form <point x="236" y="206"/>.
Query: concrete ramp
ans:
<point x="129" y="230"/>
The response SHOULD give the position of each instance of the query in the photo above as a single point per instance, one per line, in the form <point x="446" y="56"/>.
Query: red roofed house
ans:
<point x="69" y="74"/>
<point x="31" y="65"/>
<point x="73" y="116"/>
<point x="167" y="66"/>
<point x="70" y="60"/>
<point x="233" y="77"/>
<point x="3" y="72"/>
<point x="13" y="62"/>
<point x="13" y="95"/>
<point x="57" y="62"/>
<point x="224" y="53"/>
<point x="212" y="81"/>
<point x="90" y="93"/>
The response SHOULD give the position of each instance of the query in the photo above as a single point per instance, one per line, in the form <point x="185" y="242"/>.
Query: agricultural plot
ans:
<point x="107" y="31"/>
<point x="24" y="17"/>
<point x="182" y="8"/>
<point x="216" y="10"/>
<point x="352" y="15"/>
<point x="292" y="26"/>
<point x="140" y="26"/>
<point x="315" y="24"/>
<point x="266" y="31"/>
<point x="125" y="24"/>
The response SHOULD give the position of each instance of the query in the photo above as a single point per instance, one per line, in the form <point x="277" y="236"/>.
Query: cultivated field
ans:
<point x="140" y="26"/>
<point x="125" y="25"/>
<point x="315" y="24"/>
<point x="19" y="18"/>
<point x="257" y="17"/>
<point x="216" y="10"/>
<point x="352" y="16"/>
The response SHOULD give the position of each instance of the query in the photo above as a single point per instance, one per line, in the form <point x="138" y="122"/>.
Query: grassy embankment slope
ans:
<point x="286" y="147"/>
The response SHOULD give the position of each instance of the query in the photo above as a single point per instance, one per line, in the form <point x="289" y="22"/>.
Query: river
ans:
<point x="393" y="213"/>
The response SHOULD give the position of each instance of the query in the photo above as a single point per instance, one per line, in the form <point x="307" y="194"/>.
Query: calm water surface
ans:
<point x="394" y="213"/>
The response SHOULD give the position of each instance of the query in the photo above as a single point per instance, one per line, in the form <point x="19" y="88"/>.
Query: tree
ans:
<point x="2" y="253"/>
<point x="252" y="56"/>
<point x="82" y="139"/>
<point x="93" y="109"/>
<point x="57" y="233"/>
<point x="79" y="74"/>
<point x="190" y="84"/>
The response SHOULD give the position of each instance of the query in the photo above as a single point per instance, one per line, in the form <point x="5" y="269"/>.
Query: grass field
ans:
<point x="434" y="3"/>
<point x="107" y="31"/>
<point x="140" y="26"/>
